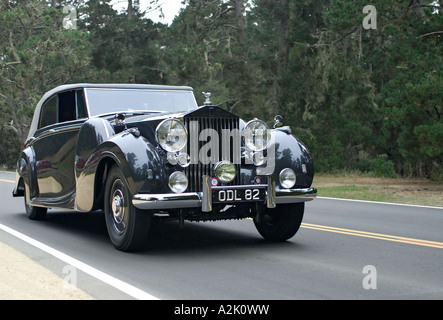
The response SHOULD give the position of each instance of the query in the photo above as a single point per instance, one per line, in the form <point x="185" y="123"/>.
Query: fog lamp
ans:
<point x="225" y="171"/>
<point x="184" y="160"/>
<point x="178" y="182"/>
<point x="287" y="178"/>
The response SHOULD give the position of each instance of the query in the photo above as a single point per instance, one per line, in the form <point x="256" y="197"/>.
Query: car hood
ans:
<point x="147" y="123"/>
<point x="202" y="112"/>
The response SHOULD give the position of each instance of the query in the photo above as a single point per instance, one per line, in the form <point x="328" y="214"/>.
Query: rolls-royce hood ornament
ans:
<point x="207" y="101"/>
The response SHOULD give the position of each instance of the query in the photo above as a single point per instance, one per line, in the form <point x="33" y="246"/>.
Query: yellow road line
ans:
<point x="357" y="233"/>
<point x="10" y="181"/>
<point x="418" y="242"/>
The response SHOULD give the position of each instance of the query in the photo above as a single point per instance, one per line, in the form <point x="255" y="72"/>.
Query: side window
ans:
<point x="48" y="113"/>
<point x="66" y="106"/>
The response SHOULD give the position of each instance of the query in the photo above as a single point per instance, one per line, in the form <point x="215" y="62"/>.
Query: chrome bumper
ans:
<point x="203" y="200"/>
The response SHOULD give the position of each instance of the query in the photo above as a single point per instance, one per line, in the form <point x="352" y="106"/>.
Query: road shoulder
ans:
<point x="21" y="278"/>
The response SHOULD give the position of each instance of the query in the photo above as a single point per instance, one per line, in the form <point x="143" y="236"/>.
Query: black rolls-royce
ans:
<point x="143" y="153"/>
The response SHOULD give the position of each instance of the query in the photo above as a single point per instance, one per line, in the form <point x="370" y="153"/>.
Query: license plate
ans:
<point x="230" y="195"/>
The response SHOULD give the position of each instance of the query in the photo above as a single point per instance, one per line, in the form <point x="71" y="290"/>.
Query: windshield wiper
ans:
<point x="140" y="112"/>
<point x="134" y="113"/>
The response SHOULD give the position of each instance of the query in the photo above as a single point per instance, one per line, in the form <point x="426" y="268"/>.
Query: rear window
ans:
<point x="48" y="114"/>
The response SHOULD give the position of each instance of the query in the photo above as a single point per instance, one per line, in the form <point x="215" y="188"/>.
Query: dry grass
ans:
<point x="354" y="186"/>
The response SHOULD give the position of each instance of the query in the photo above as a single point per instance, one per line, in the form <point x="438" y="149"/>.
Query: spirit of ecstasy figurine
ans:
<point x="207" y="95"/>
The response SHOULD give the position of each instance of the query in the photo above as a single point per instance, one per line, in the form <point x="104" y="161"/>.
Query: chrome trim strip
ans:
<point x="271" y="194"/>
<point x="245" y="186"/>
<point x="295" y="195"/>
<point x="204" y="200"/>
<point x="207" y="194"/>
<point x="167" y="201"/>
<point x="55" y="128"/>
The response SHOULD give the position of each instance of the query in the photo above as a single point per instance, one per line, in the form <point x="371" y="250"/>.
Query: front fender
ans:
<point x="92" y="134"/>
<point x="284" y="151"/>
<point x="133" y="153"/>
<point x="292" y="153"/>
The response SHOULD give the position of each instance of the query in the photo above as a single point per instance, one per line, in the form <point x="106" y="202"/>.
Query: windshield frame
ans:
<point x="191" y="101"/>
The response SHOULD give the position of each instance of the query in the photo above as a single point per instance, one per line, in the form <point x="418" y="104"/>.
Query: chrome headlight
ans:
<point x="172" y="135"/>
<point x="256" y="135"/>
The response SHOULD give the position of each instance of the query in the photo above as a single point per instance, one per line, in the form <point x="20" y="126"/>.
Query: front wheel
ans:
<point x="281" y="223"/>
<point x="127" y="226"/>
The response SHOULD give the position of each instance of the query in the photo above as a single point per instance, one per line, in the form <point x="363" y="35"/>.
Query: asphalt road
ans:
<point x="344" y="250"/>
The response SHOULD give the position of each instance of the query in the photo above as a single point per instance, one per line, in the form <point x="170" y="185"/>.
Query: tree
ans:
<point x="356" y="97"/>
<point x="36" y="55"/>
<point x="411" y="96"/>
<point x="211" y="51"/>
<point x="127" y="45"/>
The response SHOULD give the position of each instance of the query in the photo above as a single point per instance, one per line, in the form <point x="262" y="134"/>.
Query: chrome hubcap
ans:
<point x="119" y="207"/>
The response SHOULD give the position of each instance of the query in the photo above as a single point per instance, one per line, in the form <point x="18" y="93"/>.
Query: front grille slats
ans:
<point x="196" y="171"/>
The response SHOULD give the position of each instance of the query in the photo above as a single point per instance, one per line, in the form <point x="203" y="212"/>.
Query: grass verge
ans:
<point x="360" y="187"/>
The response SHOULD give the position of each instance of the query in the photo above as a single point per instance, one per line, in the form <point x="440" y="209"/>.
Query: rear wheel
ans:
<point x="127" y="226"/>
<point x="281" y="223"/>
<point x="34" y="213"/>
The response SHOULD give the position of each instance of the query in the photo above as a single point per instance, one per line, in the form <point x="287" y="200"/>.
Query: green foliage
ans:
<point x="380" y="166"/>
<point x="368" y="100"/>
<point x="430" y="138"/>
<point x="36" y="54"/>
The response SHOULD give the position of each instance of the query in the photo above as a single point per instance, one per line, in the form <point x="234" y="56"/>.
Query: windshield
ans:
<point x="103" y="101"/>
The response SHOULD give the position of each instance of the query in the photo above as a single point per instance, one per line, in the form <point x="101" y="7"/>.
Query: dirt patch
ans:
<point x="23" y="279"/>
<point x="353" y="186"/>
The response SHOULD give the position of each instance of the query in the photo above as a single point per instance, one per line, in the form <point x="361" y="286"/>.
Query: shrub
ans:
<point x="380" y="166"/>
<point x="384" y="167"/>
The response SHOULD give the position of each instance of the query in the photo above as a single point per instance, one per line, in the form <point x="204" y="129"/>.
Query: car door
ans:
<point x="54" y="147"/>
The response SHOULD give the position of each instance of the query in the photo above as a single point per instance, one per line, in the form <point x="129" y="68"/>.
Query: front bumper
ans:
<point x="203" y="200"/>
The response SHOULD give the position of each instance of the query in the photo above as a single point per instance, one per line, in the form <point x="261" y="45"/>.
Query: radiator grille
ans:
<point x="228" y="149"/>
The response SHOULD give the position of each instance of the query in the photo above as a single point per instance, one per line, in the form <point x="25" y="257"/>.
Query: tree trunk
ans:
<point x="283" y="38"/>
<point x="130" y="13"/>
<point x="130" y="10"/>
<point x="417" y="7"/>
<point x="239" y="10"/>
<point x="360" y="45"/>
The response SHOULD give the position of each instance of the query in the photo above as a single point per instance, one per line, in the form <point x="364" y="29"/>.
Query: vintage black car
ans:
<point x="142" y="153"/>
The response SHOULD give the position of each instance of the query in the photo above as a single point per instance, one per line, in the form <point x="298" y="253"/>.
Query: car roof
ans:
<point x="117" y="86"/>
<point x="74" y="86"/>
